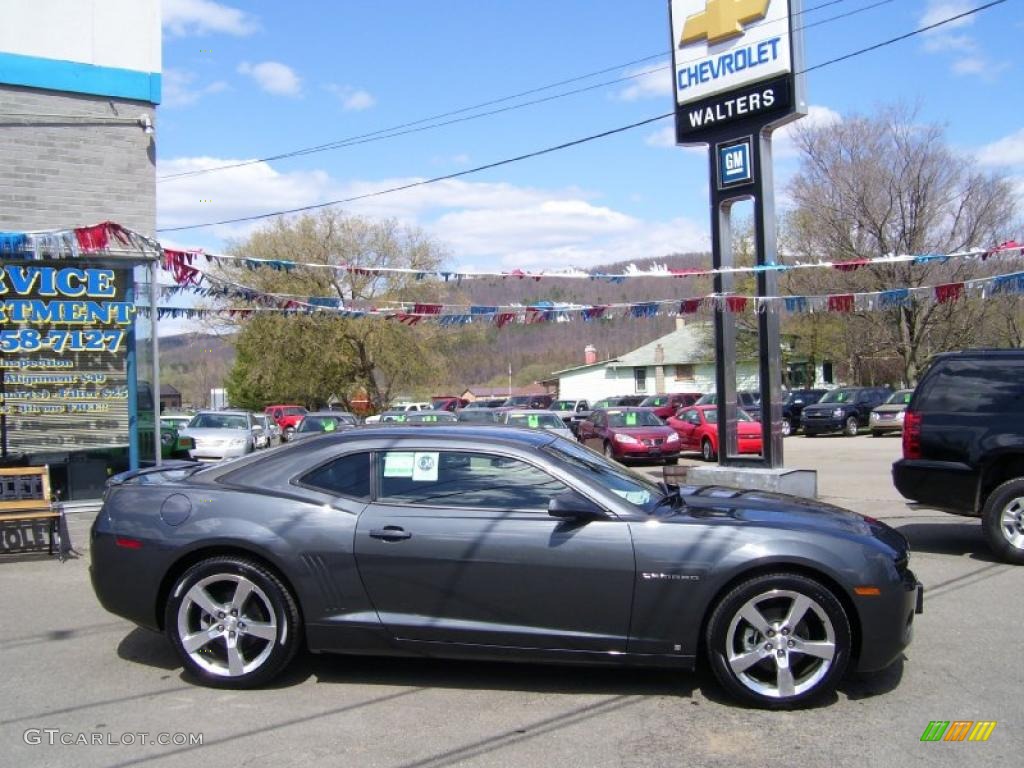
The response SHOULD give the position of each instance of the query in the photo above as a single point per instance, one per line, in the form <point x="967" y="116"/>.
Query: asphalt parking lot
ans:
<point x="70" y="668"/>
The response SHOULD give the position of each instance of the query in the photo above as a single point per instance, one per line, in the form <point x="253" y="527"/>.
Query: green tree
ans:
<point x="309" y="358"/>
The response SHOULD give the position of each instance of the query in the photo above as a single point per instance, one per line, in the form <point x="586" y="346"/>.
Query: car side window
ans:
<point x="347" y="475"/>
<point x="973" y="386"/>
<point x="464" y="479"/>
<point x="693" y="417"/>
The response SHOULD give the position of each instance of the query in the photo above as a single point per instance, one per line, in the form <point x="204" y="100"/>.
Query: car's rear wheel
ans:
<point x="779" y="641"/>
<point x="707" y="451"/>
<point x="672" y="461"/>
<point x="876" y="433"/>
<point x="850" y="427"/>
<point x="233" y="623"/>
<point x="787" y="428"/>
<point x="1003" y="521"/>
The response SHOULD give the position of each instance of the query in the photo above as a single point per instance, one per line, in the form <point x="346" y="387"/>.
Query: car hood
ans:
<point x="777" y="510"/>
<point x="826" y="408"/>
<point x="641" y="433"/>
<point x="203" y="433"/>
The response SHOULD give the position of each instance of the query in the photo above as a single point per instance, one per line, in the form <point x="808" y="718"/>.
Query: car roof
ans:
<point x="498" y="434"/>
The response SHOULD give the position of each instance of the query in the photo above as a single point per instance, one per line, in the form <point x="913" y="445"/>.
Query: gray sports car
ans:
<point x="496" y="543"/>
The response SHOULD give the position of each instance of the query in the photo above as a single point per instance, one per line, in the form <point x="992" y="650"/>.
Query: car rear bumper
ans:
<point x="948" y="485"/>
<point x="887" y="622"/>
<point x="749" y="445"/>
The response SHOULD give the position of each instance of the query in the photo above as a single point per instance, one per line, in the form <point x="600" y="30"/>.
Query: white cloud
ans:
<point x="969" y="58"/>
<point x="352" y="99"/>
<point x="818" y="116"/>
<point x="179" y="89"/>
<point x="651" y="81"/>
<point x="666" y="138"/>
<point x="1008" y="150"/>
<point x="273" y="77"/>
<point x="200" y="17"/>
<point x="481" y="223"/>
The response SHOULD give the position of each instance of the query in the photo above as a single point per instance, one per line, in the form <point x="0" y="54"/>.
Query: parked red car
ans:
<point x="697" y="427"/>
<point x="287" y="418"/>
<point x="447" y="403"/>
<point x="669" y="404"/>
<point x="629" y="433"/>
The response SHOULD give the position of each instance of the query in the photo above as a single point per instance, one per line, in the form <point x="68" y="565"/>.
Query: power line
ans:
<point x="568" y="144"/>
<point x="400" y="130"/>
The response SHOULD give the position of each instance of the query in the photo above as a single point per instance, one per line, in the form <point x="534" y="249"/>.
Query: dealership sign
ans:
<point x="732" y="61"/>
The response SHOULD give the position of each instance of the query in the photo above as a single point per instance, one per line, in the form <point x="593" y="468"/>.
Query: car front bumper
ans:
<point x="822" y="424"/>
<point x="663" y="451"/>
<point x="887" y="622"/>
<point x="217" y="452"/>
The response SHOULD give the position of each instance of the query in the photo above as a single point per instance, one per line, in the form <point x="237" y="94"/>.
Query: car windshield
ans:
<point x="321" y="424"/>
<point x="711" y="415"/>
<point x="218" y="421"/>
<point x="628" y="419"/>
<point x="535" y="420"/>
<point x="654" y="401"/>
<point x="838" y="396"/>
<point x="902" y="397"/>
<point x="563" y="405"/>
<point x="707" y="399"/>
<point x="477" y="416"/>
<point x="636" y="489"/>
<point x="296" y="410"/>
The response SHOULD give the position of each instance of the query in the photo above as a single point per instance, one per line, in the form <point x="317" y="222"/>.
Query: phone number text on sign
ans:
<point x="31" y="340"/>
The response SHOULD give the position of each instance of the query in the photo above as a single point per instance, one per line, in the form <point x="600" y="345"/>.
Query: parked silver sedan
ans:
<point x="220" y="435"/>
<point x="888" y="417"/>
<point x="537" y="419"/>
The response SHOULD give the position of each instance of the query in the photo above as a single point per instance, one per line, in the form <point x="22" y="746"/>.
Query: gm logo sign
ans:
<point x="722" y="19"/>
<point x="734" y="163"/>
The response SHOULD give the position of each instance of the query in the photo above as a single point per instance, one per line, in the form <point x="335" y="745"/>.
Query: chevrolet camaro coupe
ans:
<point x="496" y="543"/>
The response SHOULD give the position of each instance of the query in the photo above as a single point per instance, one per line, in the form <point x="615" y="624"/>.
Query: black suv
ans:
<point x="794" y="405"/>
<point x="843" y="410"/>
<point x="963" y="443"/>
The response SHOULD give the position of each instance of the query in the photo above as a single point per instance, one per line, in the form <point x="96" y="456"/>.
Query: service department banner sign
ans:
<point x="732" y="60"/>
<point x="64" y="334"/>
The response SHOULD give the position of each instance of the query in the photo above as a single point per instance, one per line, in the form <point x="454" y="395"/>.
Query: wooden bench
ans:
<point x="25" y="501"/>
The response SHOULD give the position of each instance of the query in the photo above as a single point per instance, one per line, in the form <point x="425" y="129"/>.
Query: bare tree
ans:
<point x="872" y="186"/>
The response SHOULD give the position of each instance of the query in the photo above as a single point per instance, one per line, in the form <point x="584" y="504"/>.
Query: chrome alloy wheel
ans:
<point x="227" y="625"/>
<point x="1011" y="523"/>
<point x="780" y="644"/>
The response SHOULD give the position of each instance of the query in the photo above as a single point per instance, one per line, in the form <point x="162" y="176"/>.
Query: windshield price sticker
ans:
<point x="398" y="464"/>
<point x="630" y="419"/>
<point x="533" y="421"/>
<point x="424" y="468"/>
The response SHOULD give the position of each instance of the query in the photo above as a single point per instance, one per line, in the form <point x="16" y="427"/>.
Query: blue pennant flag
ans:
<point x="892" y="299"/>
<point x="796" y="303"/>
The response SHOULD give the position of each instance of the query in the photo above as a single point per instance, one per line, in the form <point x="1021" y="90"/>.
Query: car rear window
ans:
<point x="345" y="476"/>
<point x="973" y="386"/>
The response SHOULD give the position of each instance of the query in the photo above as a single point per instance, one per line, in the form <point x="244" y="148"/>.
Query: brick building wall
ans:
<point x="57" y="172"/>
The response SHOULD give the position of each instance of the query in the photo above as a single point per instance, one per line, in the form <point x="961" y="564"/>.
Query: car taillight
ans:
<point x="911" y="435"/>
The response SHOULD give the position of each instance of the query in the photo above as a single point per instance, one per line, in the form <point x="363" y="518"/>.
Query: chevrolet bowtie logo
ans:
<point x="722" y="19"/>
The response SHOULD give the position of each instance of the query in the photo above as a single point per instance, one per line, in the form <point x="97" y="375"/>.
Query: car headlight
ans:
<point x="874" y="416"/>
<point x="837" y="412"/>
<point x="621" y="438"/>
<point x="235" y="441"/>
<point x="672" y="438"/>
<point x="900" y="415"/>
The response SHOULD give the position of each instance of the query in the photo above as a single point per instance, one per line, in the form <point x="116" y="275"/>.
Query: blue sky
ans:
<point x="243" y="80"/>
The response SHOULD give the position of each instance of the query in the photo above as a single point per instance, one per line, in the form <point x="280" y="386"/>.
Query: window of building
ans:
<point x="685" y="373"/>
<point x="458" y="479"/>
<point x="640" y="377"/>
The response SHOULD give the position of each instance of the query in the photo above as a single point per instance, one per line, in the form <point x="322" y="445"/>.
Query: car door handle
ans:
<point x="390" y="533"/>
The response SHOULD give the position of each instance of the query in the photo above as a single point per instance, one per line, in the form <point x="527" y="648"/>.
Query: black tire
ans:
<point x="671" y="462"/>
<point x="707" y="451"/>
<point x="850" y="426"/>
<point x="759" y="683"/>
<point x="810" y="434"/>
<point x="876" y="433"/>
<point x="1002" y="520"/>
<point x="289" y="433"/>
<point x="787" y="428"/>
<point x="608" y="452"/>
<point x="268" y="605"/>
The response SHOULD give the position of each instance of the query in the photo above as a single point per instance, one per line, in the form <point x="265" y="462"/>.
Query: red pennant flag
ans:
<point x="689" y="306"/>
<point x="92" y="238"/>
<point x="736" y="303"/>
<point x="686" y="272"/>
<point x="427" y="309"/>
<point x="948" y="292"/>
<point x="503" y="318"/>
<point x="851" y="265"/>
<point x="1009" y="245"/>
<point x="842" y="302"/>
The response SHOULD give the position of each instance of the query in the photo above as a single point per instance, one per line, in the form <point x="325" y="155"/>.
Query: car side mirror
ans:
<point x="573" y="506"/>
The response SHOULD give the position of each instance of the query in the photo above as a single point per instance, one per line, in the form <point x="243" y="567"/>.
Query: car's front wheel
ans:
<point x="289" y="433"/>
<point x="233" y="623"/>
<point x="787" y="427"/>
<point x="1003" y="521"/>
<point x="707" y="451"/>
<point x="850" y="427"/>
<point x="608" y="452"/>
<point x="779" y="641"/>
